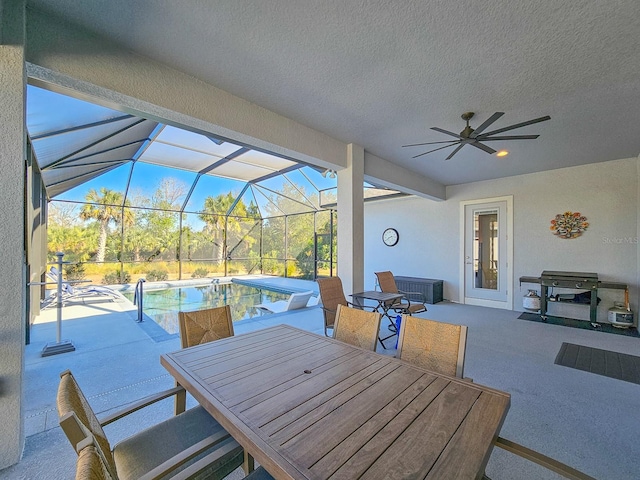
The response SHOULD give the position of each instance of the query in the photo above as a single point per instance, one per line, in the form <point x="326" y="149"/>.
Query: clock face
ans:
<point x="390" y="237"/>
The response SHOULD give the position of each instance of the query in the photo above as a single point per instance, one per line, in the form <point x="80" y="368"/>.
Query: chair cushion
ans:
<point x="144" y="451"/>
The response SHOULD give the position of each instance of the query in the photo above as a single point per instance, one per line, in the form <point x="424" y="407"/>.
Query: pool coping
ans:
<point x="257" y="281"/>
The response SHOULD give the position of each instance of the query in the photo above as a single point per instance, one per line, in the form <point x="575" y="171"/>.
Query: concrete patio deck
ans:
<point x="588" y="421"/>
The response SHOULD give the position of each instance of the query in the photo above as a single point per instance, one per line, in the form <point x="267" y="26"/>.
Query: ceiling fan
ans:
<point x="472" y="137"/>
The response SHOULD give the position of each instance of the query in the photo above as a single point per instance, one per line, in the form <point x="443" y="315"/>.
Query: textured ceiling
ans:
<point x="380" y="73"/>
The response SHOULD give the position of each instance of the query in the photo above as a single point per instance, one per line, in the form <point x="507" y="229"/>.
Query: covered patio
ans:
<point x="349" y="116"/>
<point x="117" y="361"/>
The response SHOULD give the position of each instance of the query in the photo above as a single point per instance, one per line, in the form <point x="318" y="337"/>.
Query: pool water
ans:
<point x="163" y="305"/>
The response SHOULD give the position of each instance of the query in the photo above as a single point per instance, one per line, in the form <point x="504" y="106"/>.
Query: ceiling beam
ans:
<point x="384" y="173"/>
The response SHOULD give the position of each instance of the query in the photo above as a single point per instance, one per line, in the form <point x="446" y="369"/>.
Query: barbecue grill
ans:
<point x="586" y="281"/>
<point x="572" y="280"/>
<point x="575" y="280"/>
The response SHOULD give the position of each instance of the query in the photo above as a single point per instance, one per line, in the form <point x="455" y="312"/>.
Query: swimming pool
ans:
<point x="163" y="305"/>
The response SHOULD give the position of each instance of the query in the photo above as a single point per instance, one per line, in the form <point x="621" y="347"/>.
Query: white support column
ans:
<point x="351" y="221"/>
<point x="12" y="278"/>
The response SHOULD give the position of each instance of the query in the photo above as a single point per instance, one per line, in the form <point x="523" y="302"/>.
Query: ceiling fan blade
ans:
<point x="487" y="122"/>
<point x="518" y="125"/>
<point x="435" y="149"/>
<point x="429" y="143"/>
<point x="446" y="132"/>
<point x="482" y="147"/>
<point x="455" y="151"/>
<point x="509" y="137"/>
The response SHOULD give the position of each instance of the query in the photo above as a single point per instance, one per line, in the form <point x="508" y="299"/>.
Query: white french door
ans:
<point x="486" y="274"/>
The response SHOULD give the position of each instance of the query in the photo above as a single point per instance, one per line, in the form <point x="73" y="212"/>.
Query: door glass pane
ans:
<point x="485" y="249"/>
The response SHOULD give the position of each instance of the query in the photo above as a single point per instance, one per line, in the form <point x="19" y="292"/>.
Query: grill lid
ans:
<point x="569" y="279"/>
<point x="550" y="274"/>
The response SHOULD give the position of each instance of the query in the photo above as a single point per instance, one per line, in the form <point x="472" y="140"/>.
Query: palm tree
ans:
<point x="105" y="207"/>
<point x="214" y="213"/>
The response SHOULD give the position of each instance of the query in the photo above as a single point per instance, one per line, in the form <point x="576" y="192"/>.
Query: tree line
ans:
<point x="107" y="228"/>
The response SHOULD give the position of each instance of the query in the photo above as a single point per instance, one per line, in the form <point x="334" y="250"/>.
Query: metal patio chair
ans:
<point x="331" y="295"/>
<point x="405" y="306"/>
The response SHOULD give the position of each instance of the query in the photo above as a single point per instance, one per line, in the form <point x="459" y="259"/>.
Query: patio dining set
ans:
<point x="286" y="403"/>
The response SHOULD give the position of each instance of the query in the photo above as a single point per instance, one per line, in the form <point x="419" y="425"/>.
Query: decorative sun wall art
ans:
<point x="569" y="225"/>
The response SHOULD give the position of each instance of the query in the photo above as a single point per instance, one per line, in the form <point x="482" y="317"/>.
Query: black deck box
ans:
<point x="429" y="287"/>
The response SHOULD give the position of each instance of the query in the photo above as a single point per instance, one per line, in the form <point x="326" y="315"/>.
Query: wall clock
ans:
<point x="390" y="237"/>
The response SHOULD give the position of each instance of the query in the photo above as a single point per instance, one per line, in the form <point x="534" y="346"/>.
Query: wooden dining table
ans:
<point x="310" y="407"/>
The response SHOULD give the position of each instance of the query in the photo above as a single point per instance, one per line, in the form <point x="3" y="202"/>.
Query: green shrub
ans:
<point x="272" y="266"/>
<point x="199" y="273"/>
<point x="116" y="276"/>
<point x="75" y="271"/>
<point x="292" y="270"/>
<point x="157" y="275"/>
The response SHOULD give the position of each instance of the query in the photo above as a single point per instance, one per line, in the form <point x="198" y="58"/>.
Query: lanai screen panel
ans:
<point x="304" y="184"/>
<point x="202" y="237"/>
<point x="195" y="142"/>
<point x="271" y="162"/>
<point x="289" y="197"/>
<point x="58" y="147"/>
<point x="186" y="150"/>
<point x="115" y="179"/>
<point x="48" y="112"/>
<point x="241" y="171"/>
<point x="158" y="187"/>
<point x="214" y="194"/>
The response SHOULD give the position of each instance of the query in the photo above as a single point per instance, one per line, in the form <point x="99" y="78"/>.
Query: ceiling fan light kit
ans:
<point x="475" y="137"/>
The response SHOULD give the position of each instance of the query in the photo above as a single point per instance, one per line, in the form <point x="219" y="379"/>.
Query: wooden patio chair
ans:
<point x="202" y="326"/>
<point x="436" y="346"/>
<point x="331" y="295"/>
<point x="440" y="347"/>
<point x="357" y="327"/>
<point x="543" y="460"/>
<point x="405" y="306"/>
<point x="186" y="445"/>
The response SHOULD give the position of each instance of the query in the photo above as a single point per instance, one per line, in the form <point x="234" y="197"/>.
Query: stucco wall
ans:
<point x="12" y="279"/>
<point x="606" y="193"/>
